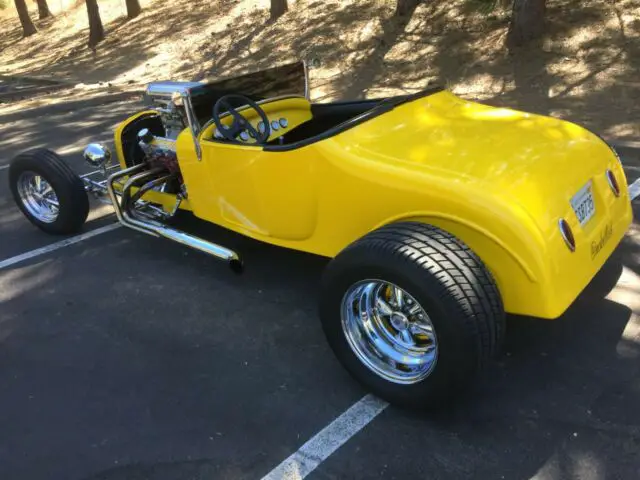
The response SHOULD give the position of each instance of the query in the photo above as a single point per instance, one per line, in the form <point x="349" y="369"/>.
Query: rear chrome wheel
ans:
<point x="412" y="314"/>
<point x="38" y="197"/>
<point x="389" y="331"/>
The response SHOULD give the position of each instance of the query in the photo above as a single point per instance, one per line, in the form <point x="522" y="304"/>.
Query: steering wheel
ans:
<point x="240" y="123"/>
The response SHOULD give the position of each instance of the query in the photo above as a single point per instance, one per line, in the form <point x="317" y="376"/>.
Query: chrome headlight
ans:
<point x="97" y="155"/>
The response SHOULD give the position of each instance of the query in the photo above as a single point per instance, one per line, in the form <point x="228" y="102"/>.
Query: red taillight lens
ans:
<point x="567" y="234"/>
<point x="613" y="183"/>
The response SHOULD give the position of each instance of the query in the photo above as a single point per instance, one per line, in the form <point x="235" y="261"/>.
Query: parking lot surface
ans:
<point x="128" y="357"/>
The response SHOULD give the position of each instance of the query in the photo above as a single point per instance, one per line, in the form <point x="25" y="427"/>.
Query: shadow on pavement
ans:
<point x="152" y="350"/>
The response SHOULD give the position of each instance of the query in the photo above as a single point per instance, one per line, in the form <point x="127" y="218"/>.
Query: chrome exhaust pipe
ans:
<point x="114" y="198"/>
<point x="205" y="246"/>
<point x="128" y="219"/>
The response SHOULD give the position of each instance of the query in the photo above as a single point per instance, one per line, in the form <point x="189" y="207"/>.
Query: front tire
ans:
<point x="48" y="192"/>
<point x="412" y="313"/>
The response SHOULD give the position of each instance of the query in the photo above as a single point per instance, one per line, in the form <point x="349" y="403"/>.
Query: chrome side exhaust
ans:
<point x="125" y="213"/>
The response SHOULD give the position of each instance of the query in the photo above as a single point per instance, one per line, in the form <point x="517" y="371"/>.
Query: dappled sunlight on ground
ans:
<point x="72" y="94"/>
<point x="75" y="127"/>
<point x="573" y="463"/>
<point x="20" y="280"/>
<point x="585" y="69"/>
<point x="627" y="292"/>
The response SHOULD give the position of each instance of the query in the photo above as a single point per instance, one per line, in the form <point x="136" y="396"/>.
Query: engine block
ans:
<point x="159" y="152"/>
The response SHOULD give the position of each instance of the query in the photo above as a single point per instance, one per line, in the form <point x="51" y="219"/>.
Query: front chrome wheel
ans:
<point x="38" y="197"/>
<point x="48" y="192"/>
<point x="389" y="331"/>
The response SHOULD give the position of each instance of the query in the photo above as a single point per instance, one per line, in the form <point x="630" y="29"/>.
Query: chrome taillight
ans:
<point x="613" y="183"/>
<point x="567" y="234"/>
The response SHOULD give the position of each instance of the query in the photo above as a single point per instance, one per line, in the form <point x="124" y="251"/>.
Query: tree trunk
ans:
<point x="43" y="9"/>
<point x="527" y="22"/>
<point x="133" y="8"/>
<point x="278" y="8"/>
<point x="96" y="30"/>
<point x="28" y="27"/>
<point x="405" y="8"/>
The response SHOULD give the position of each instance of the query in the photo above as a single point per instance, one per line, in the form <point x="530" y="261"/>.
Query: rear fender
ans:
<point x="517" y="273"/>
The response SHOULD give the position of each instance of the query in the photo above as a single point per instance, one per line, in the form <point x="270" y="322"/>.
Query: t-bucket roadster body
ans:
<point x="439" y="214"/>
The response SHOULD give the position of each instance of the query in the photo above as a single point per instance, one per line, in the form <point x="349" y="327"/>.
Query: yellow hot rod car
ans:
<point x="438" y="214"/>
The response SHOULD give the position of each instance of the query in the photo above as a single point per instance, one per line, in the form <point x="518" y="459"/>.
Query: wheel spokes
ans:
<point x="406" y="337"/>
<point x="51" y="202"/>
<point x="47" y="189"/>
<point x="421" y="329"/>
<point x="398" y="297"/>
<point x="238" y="117"/>
<point x="364" y="305"/>
<point x="235" y="129"/>
<point x="383" y="306"/>
<point x="414" y="309"/>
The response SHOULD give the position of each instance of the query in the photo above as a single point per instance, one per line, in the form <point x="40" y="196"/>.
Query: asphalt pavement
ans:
<point x="129" y="357"/>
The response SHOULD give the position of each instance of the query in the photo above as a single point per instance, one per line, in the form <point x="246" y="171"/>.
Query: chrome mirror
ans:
<point x="97" y="155"/>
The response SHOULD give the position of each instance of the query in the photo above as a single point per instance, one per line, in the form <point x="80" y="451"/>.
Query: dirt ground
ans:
<point x="586" y="69"/>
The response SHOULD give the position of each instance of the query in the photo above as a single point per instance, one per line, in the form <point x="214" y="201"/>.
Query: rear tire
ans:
<point x="48" y="192"/>
<point x="422" y="359"/>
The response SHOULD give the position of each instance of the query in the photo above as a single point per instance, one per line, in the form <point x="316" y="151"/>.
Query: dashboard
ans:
<point x="284" y="114"/>
<point x="277" y="124"/>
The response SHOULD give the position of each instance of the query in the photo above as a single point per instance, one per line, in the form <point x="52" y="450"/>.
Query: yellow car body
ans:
<point x="500" y="180"/>
<point x="438" y="214"/>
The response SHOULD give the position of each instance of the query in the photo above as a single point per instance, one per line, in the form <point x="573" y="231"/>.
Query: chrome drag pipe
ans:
<point x="157" y="229"/>
<point x="200" y="244"/>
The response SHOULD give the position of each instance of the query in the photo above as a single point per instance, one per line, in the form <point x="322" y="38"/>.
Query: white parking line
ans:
<point x="55" y="246"/>
<point x="2" y="167"/>
<point x="634" y="190"/>
<point x="328" y="440"/>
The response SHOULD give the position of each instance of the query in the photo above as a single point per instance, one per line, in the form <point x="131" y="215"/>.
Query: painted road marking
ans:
<point x="2" y="167"/>
<point x="328" y="440"/>
<point x="634" y="190"/>
<point x="56" y="246"/>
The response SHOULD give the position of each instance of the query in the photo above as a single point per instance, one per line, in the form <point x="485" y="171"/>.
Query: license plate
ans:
<point x="583" y="204"/>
